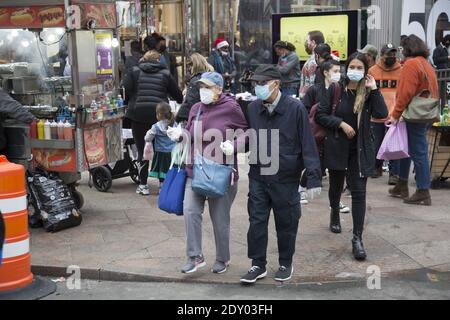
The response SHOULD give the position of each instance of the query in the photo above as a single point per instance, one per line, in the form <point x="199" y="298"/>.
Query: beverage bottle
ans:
<point x="113" y="107"/>
<point x="119" y="101"/>
<point x="47" y="130"/>
<point x="68" y="131"/>
<point x="100" y="113"/>
<point x="33" y="130"/>
<point x="61" y="130"/>
<point x="40" y="130"/>
<point x="93" y="110"/>
<point x="445" y="116"/>
<point x="54" y="130"/>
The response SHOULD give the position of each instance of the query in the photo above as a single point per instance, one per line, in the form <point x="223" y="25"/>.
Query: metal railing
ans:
<point x="443" y="77"/>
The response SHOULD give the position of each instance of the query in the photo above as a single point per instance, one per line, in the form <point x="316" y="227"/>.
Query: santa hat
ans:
<point x="335" y="55"/>
<point x="220" y="43"/>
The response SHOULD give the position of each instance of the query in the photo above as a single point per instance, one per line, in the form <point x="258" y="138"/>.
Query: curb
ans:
<point x="115" y="276"/>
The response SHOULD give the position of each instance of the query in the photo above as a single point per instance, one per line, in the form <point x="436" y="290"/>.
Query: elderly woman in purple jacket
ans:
<point x="218" y="113"/>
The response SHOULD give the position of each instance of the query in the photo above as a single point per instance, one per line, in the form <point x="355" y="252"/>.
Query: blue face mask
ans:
<point x="263" y="92"/>
<point x="355" y="75"/>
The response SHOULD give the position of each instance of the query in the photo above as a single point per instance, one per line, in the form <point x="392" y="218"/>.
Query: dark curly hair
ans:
<point x="413" y="46"/>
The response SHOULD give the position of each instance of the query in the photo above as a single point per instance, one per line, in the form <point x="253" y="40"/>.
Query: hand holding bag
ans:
<point x="148" y="151"/>
<point x="395" y="143"/>
<point x="423" y="109"/>
<point x="210" y="179"/>
<point x="171" y="195"/>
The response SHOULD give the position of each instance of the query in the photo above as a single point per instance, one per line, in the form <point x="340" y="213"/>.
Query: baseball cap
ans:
<point x="369" y="49"/>
<point x="266" y="72"/>
<point x="211" y="79"/>
<point x="388" y="48"/>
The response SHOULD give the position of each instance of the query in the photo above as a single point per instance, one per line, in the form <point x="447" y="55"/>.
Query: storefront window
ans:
<point x="254" y="24"/>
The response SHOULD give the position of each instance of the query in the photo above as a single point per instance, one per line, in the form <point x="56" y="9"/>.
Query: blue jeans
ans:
<point x="418" y="150"/>
<point x="379" y="131"/>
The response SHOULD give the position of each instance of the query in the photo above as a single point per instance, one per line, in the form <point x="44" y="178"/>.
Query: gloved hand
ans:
<point x="174" y="134"/>
<point x="314" y="193"/>
<point x="227" y="148"/>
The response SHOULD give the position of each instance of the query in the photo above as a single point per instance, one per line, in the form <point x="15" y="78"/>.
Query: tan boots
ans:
<point x="420" y="197"/>
<point x="400" y="190"/>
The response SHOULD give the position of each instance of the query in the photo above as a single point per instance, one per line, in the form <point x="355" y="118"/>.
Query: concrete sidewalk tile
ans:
<point x="412" y="232"/>
<point x="428" y="253"/>
<point x="109" y="217"/>
<point x="143" y="235"/>
<point x="176" y="227"/>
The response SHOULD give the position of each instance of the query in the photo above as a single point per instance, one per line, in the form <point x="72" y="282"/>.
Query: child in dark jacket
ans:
<point x="163" y="146"/>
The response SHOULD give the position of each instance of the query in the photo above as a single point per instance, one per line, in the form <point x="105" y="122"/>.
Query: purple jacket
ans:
<point x="222" y="115"/>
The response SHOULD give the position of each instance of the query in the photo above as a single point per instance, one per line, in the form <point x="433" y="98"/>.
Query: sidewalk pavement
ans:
<point x="125" y="237"/>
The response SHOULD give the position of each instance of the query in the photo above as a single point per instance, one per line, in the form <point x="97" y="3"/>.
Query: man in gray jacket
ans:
<point x="10" y="108"/>
<point x="289" y="67"/>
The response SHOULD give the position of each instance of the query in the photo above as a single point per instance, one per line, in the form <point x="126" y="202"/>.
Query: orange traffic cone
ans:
<point x="15" y="270"/>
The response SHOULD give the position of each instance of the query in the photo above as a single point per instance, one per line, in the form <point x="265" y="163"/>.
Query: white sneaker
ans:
<point x="303" y="199"/>
<point x="143" y="189"/>
<point x="343" y="208"/>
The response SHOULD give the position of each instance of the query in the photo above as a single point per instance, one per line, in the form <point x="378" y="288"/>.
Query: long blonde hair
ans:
<point x="200" y="64"/>
<point x="361" y="96"/>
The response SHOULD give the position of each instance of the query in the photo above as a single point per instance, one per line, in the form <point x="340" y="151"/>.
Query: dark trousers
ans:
<point x="358" y="188"/>
<point x="139" y="130"/>
<point x="284" y="199"/>
<point x="304" y="178"/>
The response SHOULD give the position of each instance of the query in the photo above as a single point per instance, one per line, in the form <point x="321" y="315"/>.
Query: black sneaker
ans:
<point x="255" y="273"/>
<point x="284" y="273"/>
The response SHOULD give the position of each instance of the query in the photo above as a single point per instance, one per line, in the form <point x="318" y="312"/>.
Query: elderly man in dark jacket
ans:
<point x="281" y="133"/>
<point x="10" y="108"/>
<point x="147" y="85"/>
<point x="441" y="57"/>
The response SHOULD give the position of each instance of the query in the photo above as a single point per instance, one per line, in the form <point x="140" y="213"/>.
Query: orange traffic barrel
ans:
<point x="15" y="270"/>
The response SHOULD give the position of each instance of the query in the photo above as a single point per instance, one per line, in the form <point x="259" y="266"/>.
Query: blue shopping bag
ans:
<point x="171" y="195"/>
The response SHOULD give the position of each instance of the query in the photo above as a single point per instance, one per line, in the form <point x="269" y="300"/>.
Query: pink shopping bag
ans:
<point x="395" y="143"/>
<point x="148" y="151"/>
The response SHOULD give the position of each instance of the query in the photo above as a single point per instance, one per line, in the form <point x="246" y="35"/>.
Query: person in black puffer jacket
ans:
<point x="199" y="66"/>
<point x="147" y="85"/>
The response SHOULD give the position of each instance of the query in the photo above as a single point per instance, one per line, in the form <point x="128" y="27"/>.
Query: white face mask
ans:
<point x="206" y="96"/>
<point x="335" y="77"/>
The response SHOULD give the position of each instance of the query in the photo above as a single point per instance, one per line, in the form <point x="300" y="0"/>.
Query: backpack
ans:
<point x="318" y="131"/>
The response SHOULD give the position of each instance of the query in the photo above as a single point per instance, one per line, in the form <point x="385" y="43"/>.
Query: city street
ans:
<point x="412" y="287"/>
<point x="125" y="237"/>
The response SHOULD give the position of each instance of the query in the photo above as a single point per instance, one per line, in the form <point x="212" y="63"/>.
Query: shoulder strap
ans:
<point x="336" y="96"/>
<point x="197" y="118"/>
<point x="426" y="77"/>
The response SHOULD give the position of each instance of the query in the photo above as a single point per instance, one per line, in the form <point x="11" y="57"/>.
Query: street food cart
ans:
<point x="60" y="60"/>
<point x="439" y="137"/>
<point x="439" y="154"/>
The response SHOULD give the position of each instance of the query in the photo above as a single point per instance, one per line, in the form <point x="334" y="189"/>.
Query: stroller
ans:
<point x="103" y="176"/>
